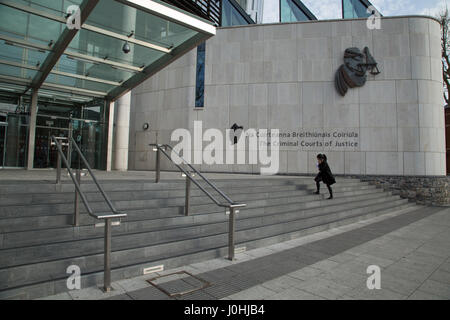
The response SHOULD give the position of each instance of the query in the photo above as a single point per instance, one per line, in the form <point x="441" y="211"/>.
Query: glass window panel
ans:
<point x="147" y="27"/>
<point x="28" y="26"/>
<point x="290" y="12"/>
<point x="230" y="16"/>
<point x="354" y="9"/>
<point x="17" y="72"/>
<point x="242" y="3"/>
<point x="200" y="82"/>
<point x="78" y="83"/>
<point x="95" y="70"/>
<point x="109" y="15"/>
<point x="101" y="46"/>
<point x="18" y="54"/>
<point x="63" y="96"/>
<point x="13" y="21"/>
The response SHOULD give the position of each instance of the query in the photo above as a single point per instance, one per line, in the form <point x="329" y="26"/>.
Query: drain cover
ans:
<point x="179" y="283"/>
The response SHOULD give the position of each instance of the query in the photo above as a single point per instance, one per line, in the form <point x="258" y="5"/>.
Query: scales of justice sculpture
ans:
<point x="353" y="73"/>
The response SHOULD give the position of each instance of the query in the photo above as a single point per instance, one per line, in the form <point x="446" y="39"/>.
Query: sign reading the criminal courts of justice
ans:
<point x="333" y="139"/>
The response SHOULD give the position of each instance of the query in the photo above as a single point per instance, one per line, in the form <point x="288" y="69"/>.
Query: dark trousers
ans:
<point x="328" y="186"/>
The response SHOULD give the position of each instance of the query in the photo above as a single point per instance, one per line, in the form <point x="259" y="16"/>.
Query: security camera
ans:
<point x="126" y="48"/>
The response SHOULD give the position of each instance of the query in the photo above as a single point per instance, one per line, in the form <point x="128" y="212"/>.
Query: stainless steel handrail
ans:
<point x="200" y="174"/>
<point x="106" y="217"/>
<point x="231" y="205"/>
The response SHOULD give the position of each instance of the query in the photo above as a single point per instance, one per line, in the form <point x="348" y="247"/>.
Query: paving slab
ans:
<point x="324" y="288"/>
<point x="421" y="295"/>
<point x="294" y="294"/>
<point x="255" y="293"/>
<point x="328" y="265"/>
<point x="436" y="288"/>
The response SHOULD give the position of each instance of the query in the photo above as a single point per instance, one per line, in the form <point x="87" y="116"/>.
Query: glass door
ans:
<point x="85" y="133"/>
<point x="16" y="141"/>
<point x="45" y="155"/>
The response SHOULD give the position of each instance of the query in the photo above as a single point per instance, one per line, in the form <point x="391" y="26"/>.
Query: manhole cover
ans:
<point x="179" y="283"/>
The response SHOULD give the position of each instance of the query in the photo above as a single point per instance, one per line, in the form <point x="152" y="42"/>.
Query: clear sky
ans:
<point x="331" y="9"/>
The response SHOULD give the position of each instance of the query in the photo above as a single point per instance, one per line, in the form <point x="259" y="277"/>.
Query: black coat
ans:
<point x="325" y="174"/>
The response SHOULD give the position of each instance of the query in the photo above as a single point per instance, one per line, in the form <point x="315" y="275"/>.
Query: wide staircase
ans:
<point x="38" y="241"/>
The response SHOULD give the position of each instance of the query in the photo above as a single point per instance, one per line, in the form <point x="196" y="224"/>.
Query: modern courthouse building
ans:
<point x="118" y="77"/>
<point x="271" y="65"/>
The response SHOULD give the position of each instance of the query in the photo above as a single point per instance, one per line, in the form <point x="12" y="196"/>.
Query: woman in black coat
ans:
<point x="324" y="175"/>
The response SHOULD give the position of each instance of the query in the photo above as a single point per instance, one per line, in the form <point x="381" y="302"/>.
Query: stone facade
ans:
<point x="421" y="189"/>
<point x="281" y="76"/>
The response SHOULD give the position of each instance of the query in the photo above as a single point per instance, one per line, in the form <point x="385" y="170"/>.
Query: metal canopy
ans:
<point x="39" y="51"/>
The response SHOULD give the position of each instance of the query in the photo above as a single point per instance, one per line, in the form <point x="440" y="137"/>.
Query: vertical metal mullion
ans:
<point x="231" y="234"/>
<point x="107" y="257"/>
<point x="188" y="196"/>
<point x="58" y="168"/>
<point x="76" y="218"/>
<point x="158" y="166"/>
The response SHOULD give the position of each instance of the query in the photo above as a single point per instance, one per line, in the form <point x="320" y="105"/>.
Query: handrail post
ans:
<point x="188" y="196"/>
<point x="158" y="165"/>
<point x="107" y="257"/>
<point x="231" y="234"/>
<point x="76" y="219"/>
<point x="58" y="168"/>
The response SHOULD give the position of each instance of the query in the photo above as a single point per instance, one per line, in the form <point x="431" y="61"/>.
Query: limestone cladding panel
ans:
<point x="281" y="76"/>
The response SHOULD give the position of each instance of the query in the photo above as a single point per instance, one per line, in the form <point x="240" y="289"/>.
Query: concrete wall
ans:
<point x="281" y="76"/>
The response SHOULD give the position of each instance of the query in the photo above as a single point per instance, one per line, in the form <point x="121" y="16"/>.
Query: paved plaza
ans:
<point x="412" y="251"/>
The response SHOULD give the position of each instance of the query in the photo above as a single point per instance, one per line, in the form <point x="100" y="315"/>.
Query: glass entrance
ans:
<point x="84" y="122"/>
<point x="86" y="133"/>
<point x="47" y="126"/>
<point x="13" y="140"/>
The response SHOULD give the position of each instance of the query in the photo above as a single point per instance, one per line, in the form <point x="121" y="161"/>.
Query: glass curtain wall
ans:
<point x="234" y="15"/>
<point x="200" y="81"/>
<point x="355" y="9"/>
<point x="13" y="136"/>
<point x="86" y="123"/>
<point x="291" y="12"/>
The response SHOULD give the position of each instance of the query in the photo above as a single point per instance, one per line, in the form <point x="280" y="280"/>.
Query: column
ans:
<point x="110" y="138"/>
<point x="122" y="105"/>
<point x="121" y="132"/>
<point x="32" y="130"/>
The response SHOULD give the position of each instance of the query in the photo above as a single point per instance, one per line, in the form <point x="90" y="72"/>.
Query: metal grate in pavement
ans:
<point x="178" y="284"/>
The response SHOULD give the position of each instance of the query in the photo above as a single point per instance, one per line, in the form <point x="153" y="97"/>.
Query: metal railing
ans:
<point x="230" y="204"/>
<point x="76" y="179"/>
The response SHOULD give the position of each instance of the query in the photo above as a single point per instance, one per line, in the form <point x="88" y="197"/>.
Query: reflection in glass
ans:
<point x="290" y="12"/>
<point x="231" y="16"/>
<point x="16" y="141"/>
<point x="354" y="9"/>
<point x="13" y="136"/>
<point x="200" y="82"/>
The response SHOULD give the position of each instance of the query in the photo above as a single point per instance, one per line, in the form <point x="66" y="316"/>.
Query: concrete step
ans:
<point x="46" y="252"/>
<point x="50" y="235"/>
<point x="112" y="186"/>
<point x="9" y="211"/>
<point x="131" y="262"/>
<point x="67" y="197"/>
<point x="50" y="221"/>
<point x="38" y="241"/>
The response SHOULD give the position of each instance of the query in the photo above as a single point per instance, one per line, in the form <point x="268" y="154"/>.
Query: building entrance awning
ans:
<point x="120" y="44"/>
